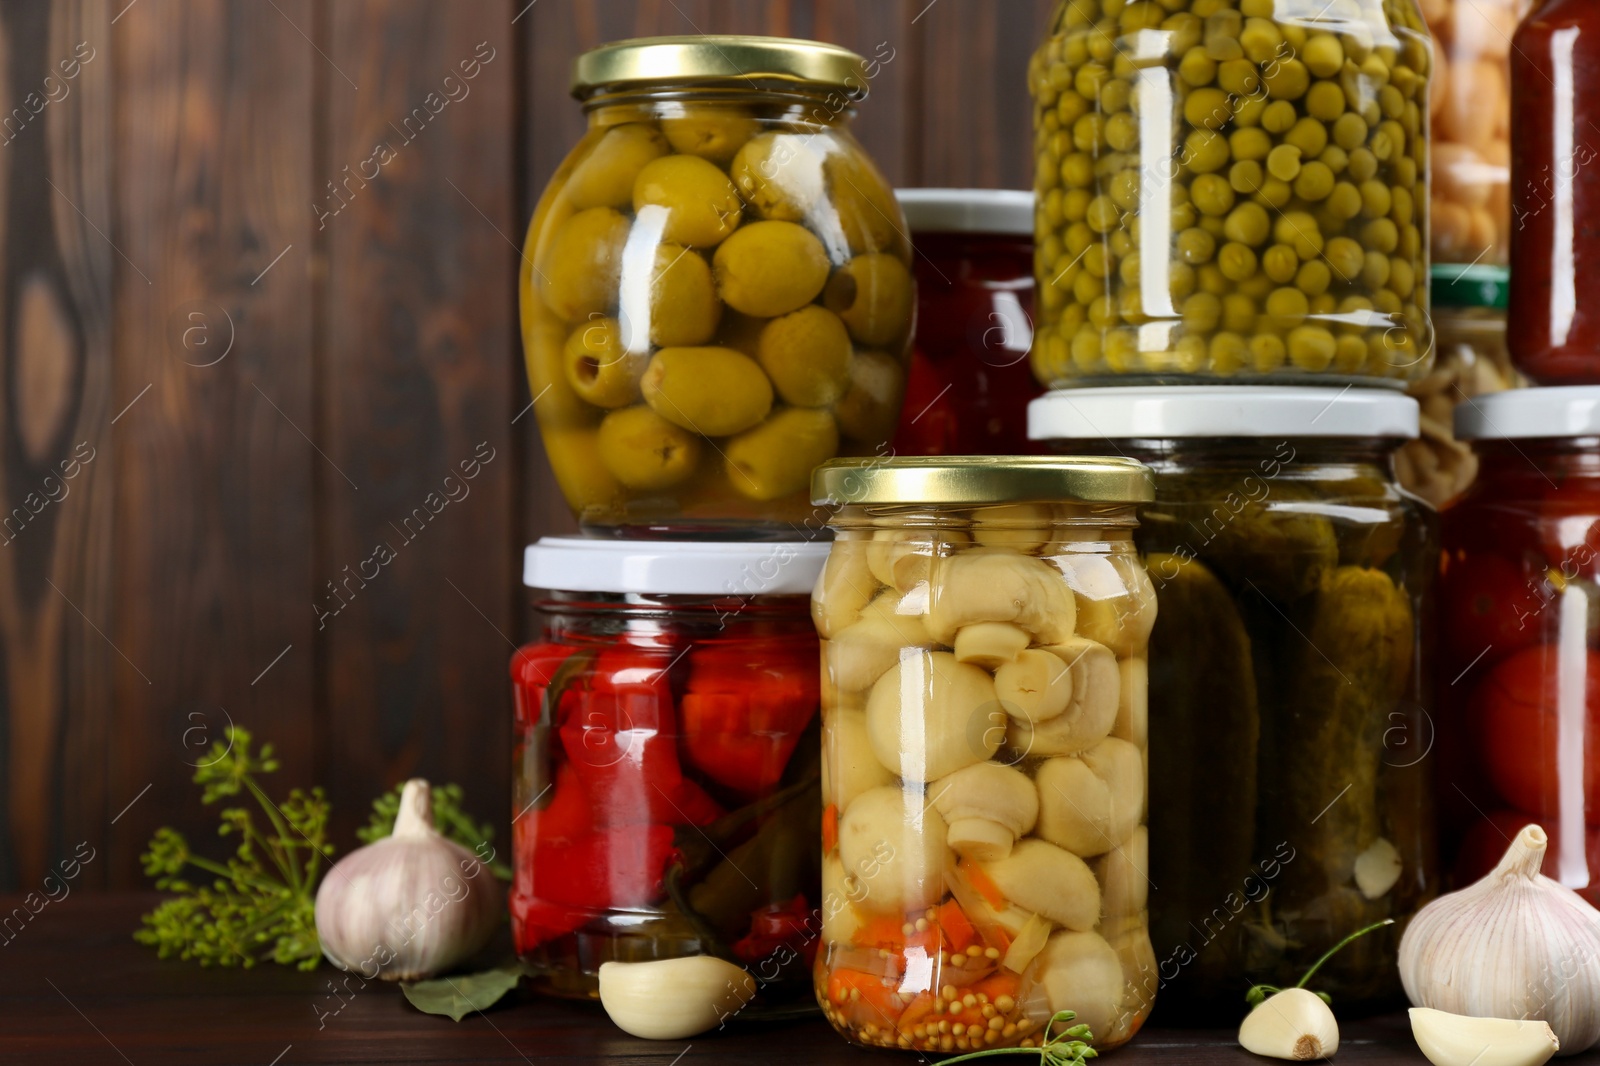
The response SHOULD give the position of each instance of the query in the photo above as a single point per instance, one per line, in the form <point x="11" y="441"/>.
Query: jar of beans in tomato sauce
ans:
<point x="1520" y="611"/>
<point x="667" y="780"/>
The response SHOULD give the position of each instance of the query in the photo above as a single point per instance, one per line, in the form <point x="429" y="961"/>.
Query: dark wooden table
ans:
<point x="75" y="988"/>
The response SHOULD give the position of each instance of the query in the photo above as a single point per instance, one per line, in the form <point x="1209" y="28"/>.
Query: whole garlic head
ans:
<point x="1514" y="944"/>
<point x="410" y="905"/>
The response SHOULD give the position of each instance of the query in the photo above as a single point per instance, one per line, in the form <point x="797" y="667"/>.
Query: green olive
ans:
<point x="599" y="366"/>
<point x="875" y="297"/>
<point x="715" y="392"/>
<point x="581" y="267"/>
<point x="588" y="484"/>
<point x="870" y="407"/>
<point x="684" y="309"/>
<point x="869" y="216"/>
<point x="807" y="356"/>
<point x="701" y="205"/>
<point x="645" y="451"/>
<point x="711" y="132"/>
<point x="775" y="459"/>
<point x="767" y="269"/>
<point x="604" y="177"/>
<point x="544" y="344"/>
<point x="779" y="175"/>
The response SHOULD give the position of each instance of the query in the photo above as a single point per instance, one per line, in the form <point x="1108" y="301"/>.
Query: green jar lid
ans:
<point x="1473" y="285"/>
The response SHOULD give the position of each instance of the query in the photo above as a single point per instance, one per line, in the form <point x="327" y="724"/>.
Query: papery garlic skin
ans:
<point x="1514" y="944"/>
<point x="408" y="906"/>
<point x="1451" y="1040"/>
<point x="1292" y="1024"/>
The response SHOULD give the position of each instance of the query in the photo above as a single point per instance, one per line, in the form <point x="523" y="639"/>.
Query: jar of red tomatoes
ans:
<point x="667" y="779"/>
<point x="969" y="386"/>
<point x="1520" y="606"/>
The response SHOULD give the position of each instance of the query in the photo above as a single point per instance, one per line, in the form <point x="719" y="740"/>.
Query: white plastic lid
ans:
<point x="674" y="567"/>
<point x="1552" y="411"/>
<point x="1005" y="211"/>
<point x="1157" y="412"/>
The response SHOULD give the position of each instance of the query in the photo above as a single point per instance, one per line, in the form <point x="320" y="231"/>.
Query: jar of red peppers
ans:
<point x="985" y="856"/>
<point x="1520" y="607"/>
<point x="667" y="785"/>
<point x="969" y="386"/>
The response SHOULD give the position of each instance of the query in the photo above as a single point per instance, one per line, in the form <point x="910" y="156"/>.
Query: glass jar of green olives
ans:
<point x="1232" y="189"/>
<point x="716" y="293"/>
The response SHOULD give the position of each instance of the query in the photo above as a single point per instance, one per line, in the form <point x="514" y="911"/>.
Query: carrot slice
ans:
<point x="997" y="985"/>
<point x="881" y="931"/>
<point x="917" y="1011"/>
<point x="953" y="923"/>
<point x="985" y="885"/>
<point x="830" y="828"/>
<point x="867" y="999"/>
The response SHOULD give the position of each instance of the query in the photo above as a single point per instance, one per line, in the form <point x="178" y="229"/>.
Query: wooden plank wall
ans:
<point x="257" y="305"/>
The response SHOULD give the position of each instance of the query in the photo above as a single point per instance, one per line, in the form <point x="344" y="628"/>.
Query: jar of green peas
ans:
<point x="1232" y="189"/>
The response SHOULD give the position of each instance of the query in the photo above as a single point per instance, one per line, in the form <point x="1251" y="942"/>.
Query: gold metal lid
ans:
<point x="978" y="479"/>
<point x="680" y="60"/>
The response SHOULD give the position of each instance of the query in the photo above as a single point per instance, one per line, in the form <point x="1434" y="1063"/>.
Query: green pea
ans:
<point x="1128" y="269"/>
<point x="1256" y="287"/>
<point x="1097" y="261"/>
<point x="1311" y="347"/>
<point x="1103" y="214"/>
<point x="1386" y="302"/>
<point x="1278" y="116"/>
<point x="1249" y="143"/>
<point x="1345" y="257"/>
<point x="1308" y="135"/>
<point x="1375" y="199"/>
<point x="1403" y="206"/>
<point x="1375" y="270"/>
<point x="1402" y="277"/>
<point x="1089" y="78"/>
<point x="1184" y="30"/>
<point x="1236" y="261"/>
<point x="1196" y="68"/>
<point x="1287" y="80"/>
<point x="1075" y="204"/>
<point x="1335" y="157"/>
<point x="1245" y="176"/>
<point x="1410" y="241"/>
<point x="1287" y="307"/>
<point x="1212" y="194"/>
<point x="1313" y="277"/>
<point x="1189" y="353"/>
<point x="1085" y="348"/>
<point x="1123" y="188"/>
<point x="1257" y="8"/>
<point x="1089" y="132"/>
<point x="1247" y="113"/>
<point x="1315" y="181"/>
<point x="1140" y="16"/>
<point x="1283" y="162"/>
<point x="1280" y="263"/>
<point x="1201" y="312"/>
<point x="1325" y="101"/>
<point x="1205" y="151"/>
<point x="1122" y="131"/>
<point x="1344" y="202"/>
<point x="1349" y="131"/>
<point x="1213" y="225"/>
<point x="1211" y="280"/>
<point x="1357" y="312"/>
<point x="1349" y="354"/>
<point x="1405" y="172"/>
<point x="1086" y="286"/>
<point x="1299" y="231"/>
<point x="1077" y="170"/>
<point x="1130" y="306"/>
<point x="1228" y="352"/>
<point x="1239" y="77"/>
<point x="1207" y="109"/>
<point x="1391" y="101"/>
<point x="1183" y="216"/>
<point x="1247" y="224"/>
<point x="1181" y="279"/>
<point x="1238" y="312"/>
<point x="1260" y="39"/>
<point x="1267" y="352"/>
<point x="1102" y="312"/>
<point x="1275" y="192"/>
<point x="1324" y="55"/>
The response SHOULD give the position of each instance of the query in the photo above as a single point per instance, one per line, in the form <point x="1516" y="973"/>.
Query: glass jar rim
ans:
<point x="981" y="479"/>
<point x="711" y="58"/>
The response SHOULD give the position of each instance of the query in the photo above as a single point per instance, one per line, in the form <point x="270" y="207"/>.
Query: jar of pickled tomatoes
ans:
<point x="1519" y="592"/>
<point x="985" y="857"/>
<point x="666" y="778"/>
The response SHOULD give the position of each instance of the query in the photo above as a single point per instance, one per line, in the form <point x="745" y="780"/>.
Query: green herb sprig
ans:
<point x="1258" y="993"/>
<point x="1066" y="1048"/>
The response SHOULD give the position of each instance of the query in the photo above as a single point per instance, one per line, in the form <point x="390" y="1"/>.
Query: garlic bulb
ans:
<point x="410" y="905"/>
<point x="1292" y="1024"/>
<point x="1514" y="944"/>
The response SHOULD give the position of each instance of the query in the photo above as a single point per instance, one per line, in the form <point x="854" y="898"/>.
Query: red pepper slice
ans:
<point x="776" y="926"/>
<point x="611" y="868"/>
<point x="744" y="712"/>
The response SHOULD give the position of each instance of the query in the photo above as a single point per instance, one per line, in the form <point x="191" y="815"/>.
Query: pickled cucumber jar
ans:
<point x="716" y="293"/>
<point x="1292" y="740"/>
<point x="985" y="856"/>
<point x="1232" y="189"/>
<point x="666" y="785"/>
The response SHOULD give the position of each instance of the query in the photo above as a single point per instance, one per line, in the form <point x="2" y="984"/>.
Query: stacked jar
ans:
<point x="716" y="297"/>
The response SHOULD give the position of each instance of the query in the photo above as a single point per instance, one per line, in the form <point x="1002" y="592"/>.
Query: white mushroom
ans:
<point x="1096" y="692"/>
<point x="860" y="653"/>
<point x="1133" y="702"/>
<point x="930" y="715"/>
<point x="1091" y="802"/>
<point x="1115" y="599"/>
<point x="840" y="919"/>
<point x="999" y="586"/>
<point x="1081" y="972"/>
<point x="1023" y="527"/>
<point x="1040" y="877"/>
<point x="1124" y="876"/>
<point x="848" y="765"/>
<point x="987" y="807"/>
<point x="906" y="612"/>
<point x="1035" y="686"/>
<point x="844" y="587"/>
<point x="990" y="644"/>
<point x="1130" y="939"/>
<point x="893" y="843"/>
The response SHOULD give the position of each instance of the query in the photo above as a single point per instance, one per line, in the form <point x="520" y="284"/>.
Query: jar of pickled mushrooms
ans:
<point x="983" y="624"/>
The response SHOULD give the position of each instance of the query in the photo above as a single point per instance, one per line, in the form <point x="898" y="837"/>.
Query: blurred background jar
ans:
<point x="716" y="286"/>
<point x="1520" y="607"/>
<point x="970" y="382"/>
<point x="984" y="847"/>
<point x="1471" y="360"/>
<point x="1232" y="192"/>
<point x="666" y="777"/>
<point x="1290" y="681"/>
<point x="1470" y="104"/>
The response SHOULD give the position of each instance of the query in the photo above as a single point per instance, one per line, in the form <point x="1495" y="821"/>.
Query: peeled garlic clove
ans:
<point x="1456" y="1040"/>
<point x="1292" y="1024"/>
<point x="1377" y="869"/>
<point x="670" y="999"/>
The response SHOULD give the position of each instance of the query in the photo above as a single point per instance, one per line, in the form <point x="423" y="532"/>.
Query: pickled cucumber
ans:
<point x="1294" y="156"/>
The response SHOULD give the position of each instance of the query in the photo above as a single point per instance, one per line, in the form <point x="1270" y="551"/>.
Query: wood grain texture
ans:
<point x="420" y="337"/>
<point x="214" y="469"/>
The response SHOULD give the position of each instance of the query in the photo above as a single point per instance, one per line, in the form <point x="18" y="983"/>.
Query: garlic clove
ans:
<point x="1377" y="869"/>
<point x="1514" y="944"/>
<point x="1292" y="1024"/>
<point x="1456" y="1040"/>
<point x="670" y="999"/>
<point x="411" y="905"/>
